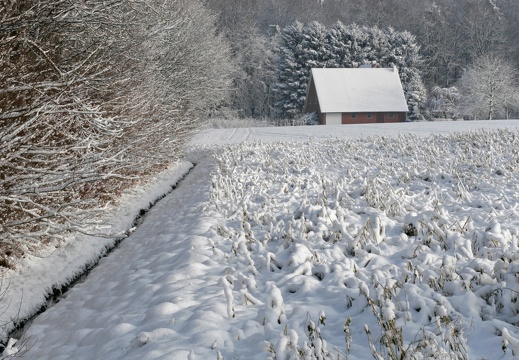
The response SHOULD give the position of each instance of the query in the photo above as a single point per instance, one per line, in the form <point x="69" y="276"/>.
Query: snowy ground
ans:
<point x="305" y="133"/>
<point x="279" y="236"/>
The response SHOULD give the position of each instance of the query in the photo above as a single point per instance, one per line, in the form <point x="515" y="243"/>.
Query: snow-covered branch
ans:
<point x="93" y="95"/>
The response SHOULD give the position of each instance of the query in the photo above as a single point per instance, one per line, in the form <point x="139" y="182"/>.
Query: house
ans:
<point x="356" y="96"/>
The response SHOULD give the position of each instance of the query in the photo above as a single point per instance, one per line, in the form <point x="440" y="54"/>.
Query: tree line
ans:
<point x="453" y="37"/>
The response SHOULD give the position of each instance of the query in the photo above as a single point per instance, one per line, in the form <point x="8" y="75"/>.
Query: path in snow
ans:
<point x="25" y="290"/>
<point x="59" y="292"/>
<point x="150" y="291"/>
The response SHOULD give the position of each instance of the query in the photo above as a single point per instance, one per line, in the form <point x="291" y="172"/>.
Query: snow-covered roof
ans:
<point x="359" y="90"/>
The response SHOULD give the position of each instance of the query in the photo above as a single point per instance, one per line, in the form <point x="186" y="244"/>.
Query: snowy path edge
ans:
<point x="24" y="291"/>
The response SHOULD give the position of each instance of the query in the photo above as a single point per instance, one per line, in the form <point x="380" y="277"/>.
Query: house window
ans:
<point x="369" y="115"/>
<point x="391" y="115"/>
<point x="353" y="115"/>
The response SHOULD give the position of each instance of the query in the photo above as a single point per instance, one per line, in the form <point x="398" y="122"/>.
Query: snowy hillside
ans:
<point x="353" y="242"/>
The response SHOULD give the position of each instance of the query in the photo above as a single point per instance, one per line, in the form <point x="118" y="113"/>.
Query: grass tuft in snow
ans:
<point x="404" y="243"/>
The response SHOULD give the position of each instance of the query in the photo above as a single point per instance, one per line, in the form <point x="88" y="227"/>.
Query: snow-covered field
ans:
<point x="313" y="242"/>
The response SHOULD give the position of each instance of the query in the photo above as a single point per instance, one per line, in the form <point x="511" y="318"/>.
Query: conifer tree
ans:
<point x="314" y="49"/>
<point x="292" y="73"/>
<point x="402" y="52"/>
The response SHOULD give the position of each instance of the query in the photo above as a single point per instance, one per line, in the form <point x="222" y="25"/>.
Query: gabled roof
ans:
<point x="359" y="90"/>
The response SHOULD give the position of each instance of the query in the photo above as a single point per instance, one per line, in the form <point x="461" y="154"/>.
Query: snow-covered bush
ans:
<point x="444" y="103"/>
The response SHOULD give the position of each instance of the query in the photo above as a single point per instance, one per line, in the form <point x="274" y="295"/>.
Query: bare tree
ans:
<point x="253" y="95"/>
<point x="451" y="34"/>
<point x="488" y="88"/>
<point x="183" y="74"/>
<point x="253" y="56"/>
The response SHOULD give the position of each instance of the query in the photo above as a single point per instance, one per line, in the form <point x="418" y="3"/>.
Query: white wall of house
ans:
<point x="333" y="118"/>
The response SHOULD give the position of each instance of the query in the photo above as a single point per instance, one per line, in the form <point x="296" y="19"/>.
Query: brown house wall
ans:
<point x="363" y="118"/>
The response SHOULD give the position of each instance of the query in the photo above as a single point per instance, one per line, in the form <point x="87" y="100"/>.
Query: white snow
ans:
<point x="278" y="236"/>
<point x="306" y="133"/>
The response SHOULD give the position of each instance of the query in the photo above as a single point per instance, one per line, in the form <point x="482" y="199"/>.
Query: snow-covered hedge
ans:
<point x="95" y="95"/>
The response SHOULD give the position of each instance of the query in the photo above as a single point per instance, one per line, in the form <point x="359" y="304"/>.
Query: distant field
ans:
<point x="303" y="133"/>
